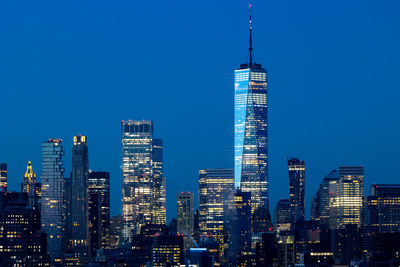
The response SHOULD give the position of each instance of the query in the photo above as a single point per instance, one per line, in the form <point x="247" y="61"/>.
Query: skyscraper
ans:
<point x="99" y="209"/>
<point x="297" y="187"/>
<point x="79" y="208"/>
<point x="143" y="184"/>
<point x="214" y="186"/>
<point x="282" y="215"/>
<point x="159" y="214"/>
<point x="31" y="186"/>
<point x="52" y="196"/>
<point x="351" y="192"/>
<point x="251" y="129"/>
<point x="387" y="198"/>
<point x="185" y="213"/>
<point x="322" y="199"/>
<point x="3" y="177"/>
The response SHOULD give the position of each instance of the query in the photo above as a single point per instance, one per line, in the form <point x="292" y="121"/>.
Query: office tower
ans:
<point x="143" y="184"/>
<point x="185" y="213"/>
<point x="350" y="198"/>
<point x="3" y="177"/>
<point x="282" y="215"/>
<point x="159" y="214"/>
<point x="297" y="185"/>
<point x="370" y="225"/>
<point x="251" y="129"/>
<point x="99" y="209"/>
<point x="79" y="210"/>
<point x="322" y="199"/>
<point x="388" y="206"/>
<point x="286" y="251"/>
<point x="214" y="185"/>
<point x="52" y="196"/>
<point x="167" y="250"/>
<point x="31" y="186"/>
<point x="237" y="226"/>
<point x="22" y="243"/>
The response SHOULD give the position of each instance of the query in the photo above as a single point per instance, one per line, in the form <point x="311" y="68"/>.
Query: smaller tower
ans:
<point x="31" y="186"/>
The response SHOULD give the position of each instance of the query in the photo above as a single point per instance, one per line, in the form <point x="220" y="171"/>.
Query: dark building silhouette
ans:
<point x="282" y="215"/>
<point x="22" y="243"/>
<point x="79" y="199"/>
<point x="99" y="210"/>
<point x="296" y="189"/>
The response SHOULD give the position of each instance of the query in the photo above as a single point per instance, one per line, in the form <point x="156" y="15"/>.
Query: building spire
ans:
<point x="250" y="40"/>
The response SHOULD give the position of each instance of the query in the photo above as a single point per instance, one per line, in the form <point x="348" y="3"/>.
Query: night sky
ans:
<point x="71" y="67"/>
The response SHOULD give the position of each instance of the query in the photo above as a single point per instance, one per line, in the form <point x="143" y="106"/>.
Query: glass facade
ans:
<point x="282" y="215"/>
<point x="99" y="208"/>
<point x="52" y="195"/>
<point x="214" y="186"/>
<point x="185" y="213"/>
<point x="297" y="186"/>
<point x="143" y="183"/>
<point x="387" y="197"/>
<point x="251" y="133"/>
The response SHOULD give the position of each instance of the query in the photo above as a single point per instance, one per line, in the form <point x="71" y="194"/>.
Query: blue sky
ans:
<point x="83" y="66"/>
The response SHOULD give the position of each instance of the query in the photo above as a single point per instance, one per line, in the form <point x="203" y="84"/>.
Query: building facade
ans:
<point x="282" y="215"/>
<point x="79" y="200"/>
<point x="297" y="186"/>
<point x="143" y="183"/>
<point x="251" y="130"/>
<point x="99" y="209"/>
<point x="214" y="187"/>
<point x="31" y="187"/>
<point x="387" y="197"/>
<point x="52" y="196"/>
<point x="185" y="213"/>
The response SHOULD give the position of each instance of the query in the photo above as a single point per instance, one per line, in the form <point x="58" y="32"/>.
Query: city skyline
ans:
<point x="351" y="126"/>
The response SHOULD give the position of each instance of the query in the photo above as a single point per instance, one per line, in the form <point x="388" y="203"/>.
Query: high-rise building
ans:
<point x="185" y="213"/>
<point x="282" y="215"/>
<point x="251" y="129"/>
<point x="322" y="199"/>
<point x="99" y="209"/>
<point x="387" y="198"/>
<point x="143" y="184"/>
<point x="67" y="211"/>
<point x="22" y="243"/>
<point x="79" y="208"/>
<point x="351" y="192"/>
<point x="297" y="185"/>
<point x="52" y="196"/>
<point x="31" y="186"/>
<point x="159" y="214"/>
<point x="3" y="177"/>
<point x="214" y="186"/>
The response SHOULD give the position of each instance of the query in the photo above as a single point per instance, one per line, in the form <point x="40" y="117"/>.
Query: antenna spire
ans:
<point x="250" y="40"/>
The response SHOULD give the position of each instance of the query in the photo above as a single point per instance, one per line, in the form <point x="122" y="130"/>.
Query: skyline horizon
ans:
<point x="332" y="86"/>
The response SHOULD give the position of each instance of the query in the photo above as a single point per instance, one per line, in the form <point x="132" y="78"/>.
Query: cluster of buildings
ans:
<point x="64" y="220"/>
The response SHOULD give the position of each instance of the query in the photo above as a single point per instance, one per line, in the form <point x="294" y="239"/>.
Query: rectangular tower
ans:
<point x="185" y="213"/>
<point x="214" y="187"/>
<point x="143" y="186"/>
<point x="52" y="196"/>
<point x="297" y="170"/>
<point x="388" y="206"/>
<point x="99" y="209"/>
<point x="350" y="195"/>
<point x="79" y="210"/>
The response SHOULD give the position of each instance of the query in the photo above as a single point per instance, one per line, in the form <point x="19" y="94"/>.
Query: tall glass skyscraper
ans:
<point x="52" y="196"/>
<point x="297" y="186"/>
<point x="251" y="130"/>
<point x="143" y="184"/>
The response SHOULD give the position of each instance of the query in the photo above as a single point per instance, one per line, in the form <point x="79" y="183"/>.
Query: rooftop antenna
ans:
<point x="250" y="40"/>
